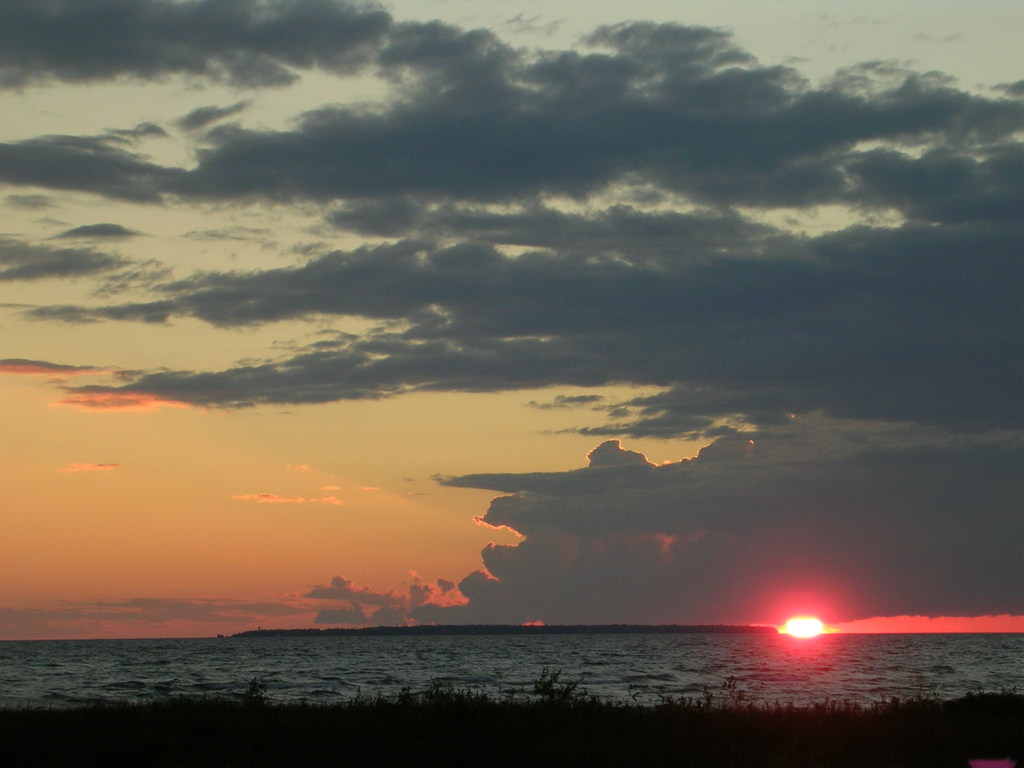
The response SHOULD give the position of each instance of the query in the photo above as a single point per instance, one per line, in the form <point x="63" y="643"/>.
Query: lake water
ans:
<point x="642" y="668"/>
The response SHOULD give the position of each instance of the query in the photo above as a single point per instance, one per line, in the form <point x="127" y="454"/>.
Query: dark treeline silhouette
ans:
<point x="556" y="724"/>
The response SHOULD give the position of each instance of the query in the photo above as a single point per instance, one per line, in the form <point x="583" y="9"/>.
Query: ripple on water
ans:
<point x="863" y="668"/>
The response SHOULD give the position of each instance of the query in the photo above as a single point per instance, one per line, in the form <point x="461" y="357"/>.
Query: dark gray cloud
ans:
<point x="140" y="132"/>
<point x="1012" y="89"/>
<point x="735" y="320"/>
<point x="944" y="185"/>
<point x="97" y="164"/>
<point x="916" y="322"/>
<point x="99" y="232"/>
<point x="679" y="109"/>
<point x="29" y="202"/>
<point x="619" y="228"/>
<point x="243" y="43"/>
<point x="694" y="116"/>
<point x="200" y="117"/>
<point x="566" y="401"/>
<point x="822" y="519"/>
<point x="25" y="261"/>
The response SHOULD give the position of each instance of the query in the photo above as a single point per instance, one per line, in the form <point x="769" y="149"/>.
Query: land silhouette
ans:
<point x="515" y="629"/>
<point x="555" y="724"/>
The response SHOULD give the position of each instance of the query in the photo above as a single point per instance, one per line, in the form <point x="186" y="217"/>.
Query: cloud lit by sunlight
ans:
<point x="119" y="401"/>
<point x="271" y="498"/>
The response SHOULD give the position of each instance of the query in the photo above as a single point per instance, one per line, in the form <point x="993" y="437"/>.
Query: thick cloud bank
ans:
<point x="603" y="215"/>
<point x="842" y="524"/>
<point x="244" y="42"/>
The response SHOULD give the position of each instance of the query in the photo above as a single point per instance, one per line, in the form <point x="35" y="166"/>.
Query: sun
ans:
<point x="804" y="626"/>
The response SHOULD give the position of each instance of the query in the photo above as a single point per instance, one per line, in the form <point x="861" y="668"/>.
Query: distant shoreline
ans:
<point x="518" y="629"/>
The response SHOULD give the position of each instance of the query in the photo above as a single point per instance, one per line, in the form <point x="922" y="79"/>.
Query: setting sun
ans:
<point x="804" y="626"/>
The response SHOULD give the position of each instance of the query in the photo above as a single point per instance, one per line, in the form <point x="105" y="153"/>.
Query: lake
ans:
<point x="643" y="668"/>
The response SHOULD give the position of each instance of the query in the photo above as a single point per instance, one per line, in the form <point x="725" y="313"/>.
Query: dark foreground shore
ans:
<point x="554" y="726"/>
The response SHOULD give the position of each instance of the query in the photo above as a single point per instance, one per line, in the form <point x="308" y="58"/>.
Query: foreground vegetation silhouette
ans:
<point x="555" y="724"/>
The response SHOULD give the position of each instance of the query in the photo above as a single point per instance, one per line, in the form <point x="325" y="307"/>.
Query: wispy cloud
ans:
<point x="99" y="232"/>
<point x="272" y="498"/>
<point x="44" y="368"/>
<point x="355" y="605"/>
<point x="105" y="400"/>
<point x="21" y="261"/>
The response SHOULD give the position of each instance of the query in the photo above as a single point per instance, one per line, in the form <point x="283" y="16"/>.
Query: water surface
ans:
<point x="642" y="668"/>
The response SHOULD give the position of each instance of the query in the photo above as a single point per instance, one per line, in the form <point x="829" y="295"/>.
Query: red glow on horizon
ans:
<point x="936" y="624"/>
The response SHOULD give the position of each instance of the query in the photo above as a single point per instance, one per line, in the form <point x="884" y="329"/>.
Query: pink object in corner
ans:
<point x="1004" y="763"/>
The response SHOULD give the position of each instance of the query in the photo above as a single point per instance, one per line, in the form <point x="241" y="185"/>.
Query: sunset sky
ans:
<point x="324" y="313"/>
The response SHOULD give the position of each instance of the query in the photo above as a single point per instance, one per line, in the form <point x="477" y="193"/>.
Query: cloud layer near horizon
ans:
<point x="632" y="211"/>
<point x="849" y="526"/>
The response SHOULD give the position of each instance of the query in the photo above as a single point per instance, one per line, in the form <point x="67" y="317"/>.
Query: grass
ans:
<point x="556" y="724"/>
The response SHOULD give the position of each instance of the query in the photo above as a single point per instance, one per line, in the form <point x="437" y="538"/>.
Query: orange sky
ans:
<point x="532" y="315"/>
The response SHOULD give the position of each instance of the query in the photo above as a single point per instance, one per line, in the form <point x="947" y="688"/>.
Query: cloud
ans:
<point x="24" y="261"/>
<point x="244" y="44"/>
<point x="944" y="185"/>
<point x="355" y="605"/>
<point x="1014" y="89"/>
<point x="680" y="108"/>
<point x="29" y="202"/>
<point x="200" y="117"/>
<point x="232" y="233"/>
<point x="269" y="498"/>
<point x="96" y="164"/>
<point x="138" y="133"/>
<point x="612" y="214"/>
<point x="272" y="498"/>
<point x="616" y="229"/>
<point x="567" y="401"/>
<point x="85" y="467"/>
<point x="850" y="522"/>
<point x="473" y="120"/>
<point x="99" y="231"/>
<point x="912" y="322"/>
<point x="101" y="399"/>
<point x="43" y="368"/>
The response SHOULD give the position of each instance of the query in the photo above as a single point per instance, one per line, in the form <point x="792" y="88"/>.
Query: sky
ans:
<point x="330" y="313"/>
